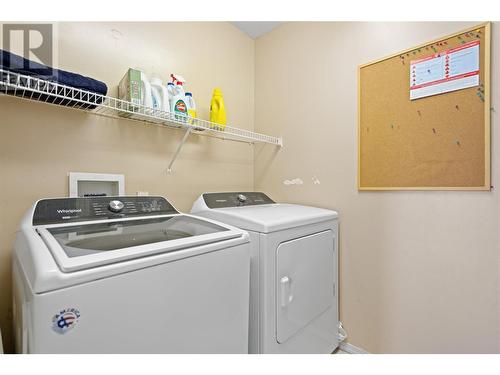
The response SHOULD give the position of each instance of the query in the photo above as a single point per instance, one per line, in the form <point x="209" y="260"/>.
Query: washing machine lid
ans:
<point x="268" y="217"/>
<point x="93" y="244"/>
<point x="80" y="236"/>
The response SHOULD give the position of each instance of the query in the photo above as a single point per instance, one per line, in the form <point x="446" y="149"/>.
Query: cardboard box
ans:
<point x="129" y="89"/>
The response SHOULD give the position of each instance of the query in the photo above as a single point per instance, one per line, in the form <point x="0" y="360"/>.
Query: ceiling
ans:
<point x="255" y="29"/>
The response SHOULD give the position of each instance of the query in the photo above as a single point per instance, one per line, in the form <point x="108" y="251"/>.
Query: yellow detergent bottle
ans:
<point x="218" y="110"/>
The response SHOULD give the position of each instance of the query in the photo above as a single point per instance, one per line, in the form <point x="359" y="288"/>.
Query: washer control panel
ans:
<point x="222" y="200"/>
<point x="62" y="210"/>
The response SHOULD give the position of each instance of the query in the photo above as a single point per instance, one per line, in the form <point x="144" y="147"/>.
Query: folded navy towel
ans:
<point x="18" y="64"/>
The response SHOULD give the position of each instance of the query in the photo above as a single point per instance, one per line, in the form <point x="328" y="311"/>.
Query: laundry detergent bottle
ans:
<point x="178" y="104"/>
<point x="218" y="110"/>
<point x="191" y="105"/>
<point x="146" y="98"/>
<point x="170" y="90"/>
<point x="159" y="95"/>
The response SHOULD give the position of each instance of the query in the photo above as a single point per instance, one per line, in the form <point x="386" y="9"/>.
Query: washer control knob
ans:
<point x="116" y="206"/>
<point x="242" y="198"/>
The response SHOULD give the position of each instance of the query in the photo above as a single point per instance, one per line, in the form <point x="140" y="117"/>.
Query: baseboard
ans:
<point x="351" y="349"/>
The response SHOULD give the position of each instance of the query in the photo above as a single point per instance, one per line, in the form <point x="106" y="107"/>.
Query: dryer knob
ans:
<point x="116" y="206"/>
<point x="242" y="198"/>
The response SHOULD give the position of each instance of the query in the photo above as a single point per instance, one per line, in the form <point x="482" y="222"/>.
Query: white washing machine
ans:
<point x="293" y="279"/>
<point x="128" y="275"/>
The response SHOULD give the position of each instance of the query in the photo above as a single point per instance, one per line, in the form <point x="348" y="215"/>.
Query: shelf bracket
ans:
<point x="183" y="140"/>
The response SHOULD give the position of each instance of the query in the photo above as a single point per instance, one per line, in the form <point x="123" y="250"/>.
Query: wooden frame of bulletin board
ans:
<point x="436" y="142"/>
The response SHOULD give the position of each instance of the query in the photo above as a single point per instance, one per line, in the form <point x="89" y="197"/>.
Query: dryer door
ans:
<point x="305" y="282"/>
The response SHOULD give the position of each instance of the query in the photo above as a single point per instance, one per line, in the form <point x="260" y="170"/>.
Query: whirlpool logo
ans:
<point x="65" y="320"/>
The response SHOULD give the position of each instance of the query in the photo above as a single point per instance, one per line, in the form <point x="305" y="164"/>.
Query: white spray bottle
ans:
<point x="178" y="104"/>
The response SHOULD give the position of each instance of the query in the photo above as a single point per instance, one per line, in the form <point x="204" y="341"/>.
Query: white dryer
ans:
<point x="128" y="275"/>
<point x="293" y="278"/>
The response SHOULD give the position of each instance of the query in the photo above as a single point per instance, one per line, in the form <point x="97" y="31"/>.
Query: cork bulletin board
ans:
<point x="434" y="136"/>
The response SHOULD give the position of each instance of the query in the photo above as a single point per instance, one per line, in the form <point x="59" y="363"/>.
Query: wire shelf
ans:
<point x="32" y="88"/>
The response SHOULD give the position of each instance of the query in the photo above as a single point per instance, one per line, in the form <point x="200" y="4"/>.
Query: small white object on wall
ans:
<point x="295" y="181"/>
<point x="92" y="184"/>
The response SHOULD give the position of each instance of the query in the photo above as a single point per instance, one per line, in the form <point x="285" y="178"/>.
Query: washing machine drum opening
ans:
<point x="89" y="239"/>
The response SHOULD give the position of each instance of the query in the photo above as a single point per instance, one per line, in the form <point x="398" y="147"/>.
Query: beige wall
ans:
<point x="40" y="144"/>
<point x="418" y="270"/>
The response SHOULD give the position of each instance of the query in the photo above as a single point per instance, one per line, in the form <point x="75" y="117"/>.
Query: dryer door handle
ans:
<point x="286" y="291"/>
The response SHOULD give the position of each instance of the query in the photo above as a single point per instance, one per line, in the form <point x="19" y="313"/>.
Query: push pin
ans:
<point x="456" y="107"/>
<point x="418" y="111"/>
<point x="434" y="130"/>
<point x="457" y="142"/>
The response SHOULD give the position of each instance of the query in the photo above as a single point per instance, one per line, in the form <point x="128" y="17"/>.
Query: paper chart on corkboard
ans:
<point x="424" y="116"/>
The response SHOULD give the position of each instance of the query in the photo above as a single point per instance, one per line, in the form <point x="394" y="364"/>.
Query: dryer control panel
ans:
<point x="62" y="210"/>
<point x="235" y="199"/>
